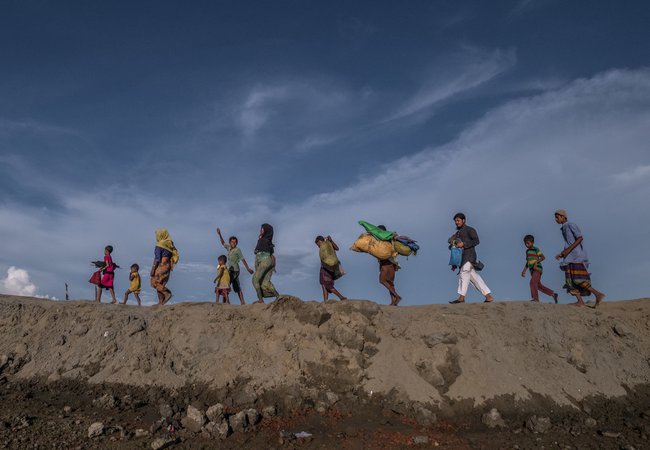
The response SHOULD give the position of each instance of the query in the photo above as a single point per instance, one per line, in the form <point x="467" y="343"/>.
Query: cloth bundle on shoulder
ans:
<point x="402" y="249"/>
<point x="406" y="241"/>
<point x="328" y="257"/>
<point x="382" y="235"/>
<point x="380" y="249"/>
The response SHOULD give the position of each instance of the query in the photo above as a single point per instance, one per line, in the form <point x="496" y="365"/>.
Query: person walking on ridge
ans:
<point x="108" y="276"/>
<point x="330" y="267"/>
<point x="467" y="239"/>
<point x="264" y="264"/>
<point x="574" y="261"/>
<point x="534" y="258"/>
<point x="387" y="269"/>
<point x="234" y="256"/>
<point x="165" y="257"/>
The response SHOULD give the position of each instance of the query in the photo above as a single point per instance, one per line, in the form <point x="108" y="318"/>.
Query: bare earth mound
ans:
<point x="424" y="362"/>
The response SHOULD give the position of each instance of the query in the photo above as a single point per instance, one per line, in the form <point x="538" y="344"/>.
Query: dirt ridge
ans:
<point x="443" y="356"/>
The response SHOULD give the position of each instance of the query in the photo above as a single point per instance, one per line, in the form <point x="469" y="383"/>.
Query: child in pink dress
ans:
<point x="108" y="274"/>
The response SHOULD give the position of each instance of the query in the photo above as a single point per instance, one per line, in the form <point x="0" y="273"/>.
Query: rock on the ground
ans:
<point x="493" y="419"/>
<point x="424" y="416"/>
<point x="238" y="422"/>
<point x="219" y="430"/>
<point x="215" y="413"/>
<point x="106" y="401"/>
<point x="161" y="443"/>
<point x="590" y="422"/>
<point x="538" y="424"/>
<point x="419" y="440"/>
<point x="269" y="411"/>
<point x="96" y="429"/>
<point x="252" y="416"/>
<point x="332" y="398"/>
<point x="140" y="433"/>
<point x="194" y="420"/>
<point x="621" y="330"/>
<point x="165" y="410"/>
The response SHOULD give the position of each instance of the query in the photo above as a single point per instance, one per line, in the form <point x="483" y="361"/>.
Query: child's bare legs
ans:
<point x="241" y="297"/>
<point x="98" y="294"/>
<point x="126" y="296"/>
<point x="226" y="297"/>
<point x="137" y="297"/>
<point x="325" y="293"/>
<point x="161" y="297"/>
<point x="112" y="291"/>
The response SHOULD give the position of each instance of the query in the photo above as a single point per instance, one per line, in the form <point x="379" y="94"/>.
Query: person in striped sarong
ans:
<point x="575" y="262"/>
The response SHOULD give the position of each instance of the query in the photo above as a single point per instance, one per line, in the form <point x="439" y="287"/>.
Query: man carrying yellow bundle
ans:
<point x="330" y="266"/>
<point x="387" y="269"/>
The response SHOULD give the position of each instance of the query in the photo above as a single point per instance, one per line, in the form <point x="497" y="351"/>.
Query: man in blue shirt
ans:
<point x="575" y="262"/>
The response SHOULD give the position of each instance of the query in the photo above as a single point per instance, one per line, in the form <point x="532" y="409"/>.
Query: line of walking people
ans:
<point x="573" y="261"/>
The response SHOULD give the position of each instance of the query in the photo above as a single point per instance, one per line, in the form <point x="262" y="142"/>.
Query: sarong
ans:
<point x="262" y="276"/>
<point x="326" y="278"/>
<point x="577" y="278"/>
<point x="161" y="276"/>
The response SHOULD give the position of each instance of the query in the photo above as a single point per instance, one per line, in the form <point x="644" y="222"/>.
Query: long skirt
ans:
<point x="161" y="277"/>
<point x="326" y="278"/>
<point x="262" y="276"/>
<point x="577" y="278"/>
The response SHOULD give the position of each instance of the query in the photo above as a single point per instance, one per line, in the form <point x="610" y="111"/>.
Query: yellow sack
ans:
<point x="366" y="243"/>
<point x="402" y="249"/>
<point x="328" y="254"/>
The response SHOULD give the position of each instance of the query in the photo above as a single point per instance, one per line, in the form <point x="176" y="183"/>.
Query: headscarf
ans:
<point x="265" y="242"/>
<point x="164" y="241"/>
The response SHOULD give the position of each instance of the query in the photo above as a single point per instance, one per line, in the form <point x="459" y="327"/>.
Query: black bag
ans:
<point x="478" y="266"/>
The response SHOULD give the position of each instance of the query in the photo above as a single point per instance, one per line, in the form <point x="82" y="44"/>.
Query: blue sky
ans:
<point x="121" y="117"/>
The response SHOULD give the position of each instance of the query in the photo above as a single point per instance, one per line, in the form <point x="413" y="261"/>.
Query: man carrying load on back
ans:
<point x="466" y="238"/>
<point x="387" y="269"/>
<point x="330" y="267"/>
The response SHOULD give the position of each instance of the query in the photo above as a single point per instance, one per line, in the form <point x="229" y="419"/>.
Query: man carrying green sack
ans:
<point x="330" y="268"/>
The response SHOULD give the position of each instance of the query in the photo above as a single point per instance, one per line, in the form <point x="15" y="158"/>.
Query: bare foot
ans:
<point x="599" y="300"/>
<point x="536" y="300"/>
<point x="343" y="298"/>
<point x="167" y="298"/>
<point x="579" y="304"/>
<point x="489" y="298"/>
<point x="258" y="302"/>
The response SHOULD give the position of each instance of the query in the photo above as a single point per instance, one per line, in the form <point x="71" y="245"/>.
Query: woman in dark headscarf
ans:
<point x="264" y="264"/>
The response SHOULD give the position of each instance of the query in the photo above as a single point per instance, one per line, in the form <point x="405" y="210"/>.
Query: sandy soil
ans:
<point x="353" y="374"/>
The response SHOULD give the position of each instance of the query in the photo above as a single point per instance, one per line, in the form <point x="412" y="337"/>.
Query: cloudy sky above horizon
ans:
<point x="119" y="118"/>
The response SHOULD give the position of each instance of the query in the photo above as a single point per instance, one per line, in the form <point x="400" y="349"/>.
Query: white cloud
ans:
<point x="468" y="70"/>
<point x="17" y="283"/>
<point x="255" y="111"/>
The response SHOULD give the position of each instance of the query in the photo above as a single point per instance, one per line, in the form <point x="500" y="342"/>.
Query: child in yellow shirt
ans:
<point x="136" y="284"/>
<point x="222" y="281"/>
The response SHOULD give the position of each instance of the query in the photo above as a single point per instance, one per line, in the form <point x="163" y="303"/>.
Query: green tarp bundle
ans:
<point x="380" y="234"/>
